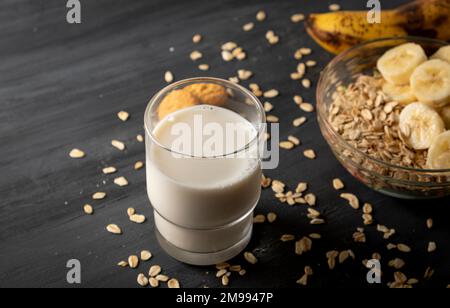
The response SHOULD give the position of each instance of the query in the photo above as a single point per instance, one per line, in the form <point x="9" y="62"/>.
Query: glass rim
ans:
<point x="157" y="98"/>
<point x="321" y="105"/>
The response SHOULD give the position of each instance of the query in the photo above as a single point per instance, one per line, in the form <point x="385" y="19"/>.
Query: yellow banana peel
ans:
<point x="337" y="31"/>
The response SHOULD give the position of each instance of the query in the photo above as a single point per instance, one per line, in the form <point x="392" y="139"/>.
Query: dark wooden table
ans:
<point x="61" y="86"/>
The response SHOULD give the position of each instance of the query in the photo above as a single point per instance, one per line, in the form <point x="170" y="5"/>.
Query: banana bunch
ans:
<point x="422" y="85"/>
<point x="337" y="31"/>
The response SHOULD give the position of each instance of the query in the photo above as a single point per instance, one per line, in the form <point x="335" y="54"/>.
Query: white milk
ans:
<point x="203" y="205"/>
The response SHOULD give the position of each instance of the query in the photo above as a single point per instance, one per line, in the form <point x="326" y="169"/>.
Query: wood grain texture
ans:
<point x="61" y="86"/>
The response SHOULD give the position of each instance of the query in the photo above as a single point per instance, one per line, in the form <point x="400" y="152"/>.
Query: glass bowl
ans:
<point x="382" y="176"/>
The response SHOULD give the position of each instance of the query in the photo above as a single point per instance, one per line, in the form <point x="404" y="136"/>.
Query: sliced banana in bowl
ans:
<point x="439" y="152"/>
<point x="420" y="124"/>
<point x="397" y="64"/>
<point x="402" y="94"/>
<point x="443" y="54"/>
<point x="445" y="115"/>
<point x="430" y="83"/>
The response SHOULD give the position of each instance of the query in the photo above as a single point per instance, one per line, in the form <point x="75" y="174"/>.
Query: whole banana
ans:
<point x="337" y="31"/>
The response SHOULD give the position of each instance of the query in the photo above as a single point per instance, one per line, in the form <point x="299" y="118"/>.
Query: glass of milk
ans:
<point x="204" y="171"/>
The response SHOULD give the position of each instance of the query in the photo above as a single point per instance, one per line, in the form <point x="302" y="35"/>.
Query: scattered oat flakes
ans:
<point x="153" y="282"/>
<point x="309" y="154"/>
<point x="221" y="272"/>
<point x="250" y="258"/>
<point x="168" y="77"/>
<point x="122" y="264"/>
<point x="109" y="170"/>
<point x="311" y="63"/>
<point x="403" y="248"/>
<point x="431" y="247"/>
<point x="259" y="219"/>
<point x="234" y="80"/>
<point x="227" y="56"/>
<point x="123" y="115"/>
<point x="261" y="16"/>
<point x="136" y="218"/>
<point x="278" y="186"/>
<point x="154" y="271"/>
<point x="88" y="209"/>
<point x="197" y="38"/>
<point x="121" y="181"/>
<point x="272" y="38"/>
<point x="118" y="145"/>
<point x="244" y="74"/>
<point x="305" y="51"/>
<point x="287" y="237"/>
<point x="222" y="266"/>
<point x="225" y="280"/>
<point x="429" y="223"/>
<point x="287" y="145"/>
<point x="359" y="236"/>
<point x="428" y="273"/>
<point x="303" y="245"/>
<point x="146" y="255"/>
<point x="162" y="278"/>
<point x="396" y="263"/>
<point x="77" y="154"/>
<point x="306" y="83"/>
<point x="235" y="268"/>
<point x="203" y="67"/>
<point x="142" y="280"/>
<point x="248" y="27"/>
<point x="131" y="211"/>
<point x="140" y="138"/>
<point x="294" y="140"/>
<point x="367" y="208"/>
<point x="306" y="107"/>
<point x="334" y="7"/>
<point x="271" y="217"/>
<point x="173" y="284"/>
<point x="272" y="119"/>
<point x="298" y="55"/>
<point x="343" y="256"/>
<point x="133" y="261"/>
<point x="268" y="107"/>
<point x="331" y="256"/>
<point x="317" y="221"/>
<point x="296" y="18"/>
<point x="114" y="229"/>
<point x="265" y="181"/>
<point x="196" y="55"/>
<point x="138" y="165"/>
<point x="315" y="236"/>
<point x="311" y="199"/>
<point x="338" y="184"/>
<point x="299" y="122"/>
<point x="352" y="200"/>
<point x="391" y="246"/>
<point x="298" y="99"/>
<point x="271" y="93"/>
<point x="99" y="196"/>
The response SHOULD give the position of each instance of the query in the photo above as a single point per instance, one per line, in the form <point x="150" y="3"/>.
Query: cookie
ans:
<point x="209" y="93"/>
<point x="176" y="100"/>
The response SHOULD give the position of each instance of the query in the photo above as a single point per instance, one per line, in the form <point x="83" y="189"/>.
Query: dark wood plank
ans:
<point x="61" y="86"/>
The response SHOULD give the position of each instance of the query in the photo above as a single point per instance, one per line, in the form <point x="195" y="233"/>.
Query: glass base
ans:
<point x="203" y="259"/>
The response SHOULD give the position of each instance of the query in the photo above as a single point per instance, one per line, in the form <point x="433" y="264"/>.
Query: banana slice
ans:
<point x="401" y="94"/>
<point x="397" y="64"/>
<point x="443" y="54"/>
<point x="420" y="124"/>
<point x="445" y="115"/>
<point x="439" y="152"/>
<point x="430" y="83"/>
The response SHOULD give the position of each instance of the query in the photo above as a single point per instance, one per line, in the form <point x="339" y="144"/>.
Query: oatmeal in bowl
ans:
<point x="384" y="107"/>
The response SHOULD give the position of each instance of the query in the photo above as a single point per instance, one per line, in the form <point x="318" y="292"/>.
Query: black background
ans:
<point x="61" y="86"/>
